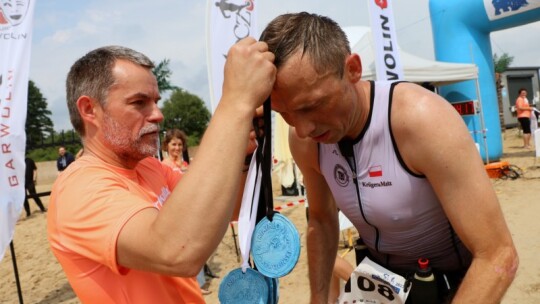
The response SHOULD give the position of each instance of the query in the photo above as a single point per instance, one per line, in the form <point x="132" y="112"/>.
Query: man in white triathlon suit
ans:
<point x="396" y="159"/>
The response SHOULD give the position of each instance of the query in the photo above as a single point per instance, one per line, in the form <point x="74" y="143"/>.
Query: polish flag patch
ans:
<point x="375" y="171"/>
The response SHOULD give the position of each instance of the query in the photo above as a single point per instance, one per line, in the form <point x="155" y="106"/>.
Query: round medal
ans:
<point x="243" y="288"/>
<point x="275" y="246"/>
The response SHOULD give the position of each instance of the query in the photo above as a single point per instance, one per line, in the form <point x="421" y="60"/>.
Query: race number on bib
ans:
<point x="372" y="283"/>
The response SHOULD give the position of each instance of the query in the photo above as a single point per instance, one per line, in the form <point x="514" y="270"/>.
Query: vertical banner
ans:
<point x="387" y="61"/>
<point x="15" y="42"/>
<point x="228" y="21"/>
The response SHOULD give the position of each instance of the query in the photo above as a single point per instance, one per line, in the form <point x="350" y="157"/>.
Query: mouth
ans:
<point x="320" y="138"/>
<point x="150" y="133"/>
<point x="149" y="130"/>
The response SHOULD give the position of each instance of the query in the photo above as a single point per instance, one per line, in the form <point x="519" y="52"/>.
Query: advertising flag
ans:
<point x="387" y="61"/>
<point x="15" y="41"/>
<point x="228" y="21"/>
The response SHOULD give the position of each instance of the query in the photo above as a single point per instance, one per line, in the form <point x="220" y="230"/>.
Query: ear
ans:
<point x="353" y="68"/>
<point x="88" y="108"/>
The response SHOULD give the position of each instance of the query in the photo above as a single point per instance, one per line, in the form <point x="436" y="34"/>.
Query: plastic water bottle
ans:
<point x="424" y="287"/>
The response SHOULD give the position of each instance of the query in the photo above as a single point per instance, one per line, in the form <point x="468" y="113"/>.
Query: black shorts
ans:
<point x="525" y="124"/>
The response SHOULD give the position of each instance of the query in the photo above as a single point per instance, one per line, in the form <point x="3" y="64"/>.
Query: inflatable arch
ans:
<point x="461" y="31"/>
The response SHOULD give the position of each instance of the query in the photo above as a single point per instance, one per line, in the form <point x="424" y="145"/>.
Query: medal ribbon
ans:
<point x="259" y="172"/>
<point x="266" y="163"/>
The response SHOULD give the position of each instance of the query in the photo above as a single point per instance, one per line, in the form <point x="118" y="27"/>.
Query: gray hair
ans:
<point x="92" y="76"/>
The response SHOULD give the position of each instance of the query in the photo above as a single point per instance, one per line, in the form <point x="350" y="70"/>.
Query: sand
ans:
<point x="43" y="281"/>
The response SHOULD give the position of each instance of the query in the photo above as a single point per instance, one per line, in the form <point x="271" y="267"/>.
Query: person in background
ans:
<point x="64" y="159"/>
<point x="174" y="144"/>
<point x="524" y="111"/>
<point x="125" y="227"/>
<point x="395" y="158"/>
<point x="30" y="181"/>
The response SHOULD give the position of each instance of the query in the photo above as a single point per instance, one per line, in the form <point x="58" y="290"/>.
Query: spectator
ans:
<point x="30" y="181"/>
<point x="524" y="111"/>
<point x="174" y="144"/>
<point x="64" y="160"/>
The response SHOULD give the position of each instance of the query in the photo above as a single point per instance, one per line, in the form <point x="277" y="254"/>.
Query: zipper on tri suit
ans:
<point x="347" y="151"/>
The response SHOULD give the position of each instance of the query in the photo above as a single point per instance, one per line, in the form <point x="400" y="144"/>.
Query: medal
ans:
<point x="243" y="288"/>
<point x="275" y="246"/>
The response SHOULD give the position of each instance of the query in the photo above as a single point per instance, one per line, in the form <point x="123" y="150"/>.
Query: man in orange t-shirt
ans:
<point x="123" y="226"/>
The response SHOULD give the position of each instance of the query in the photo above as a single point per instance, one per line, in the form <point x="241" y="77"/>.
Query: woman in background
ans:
<point x="174" y="144"/>
<point x="524" y="111"/>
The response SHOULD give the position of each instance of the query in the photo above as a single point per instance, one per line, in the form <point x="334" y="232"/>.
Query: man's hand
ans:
<point x="249" y="73"/>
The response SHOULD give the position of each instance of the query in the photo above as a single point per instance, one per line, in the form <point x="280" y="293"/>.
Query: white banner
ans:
<point x="387" y="61"/>
<point x="15" y="41"/>
<point x="227" y="22"/>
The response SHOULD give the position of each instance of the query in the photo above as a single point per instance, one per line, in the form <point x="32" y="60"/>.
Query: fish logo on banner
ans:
<point x="15" y="42"/>
<point x="228" y="22"/>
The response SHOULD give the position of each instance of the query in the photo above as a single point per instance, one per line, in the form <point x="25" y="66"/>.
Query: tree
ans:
<point x="186" y="112"/>
<point x="163" y="73"/>
<point x="38" y="122"/>
<point x="501" y="64"/>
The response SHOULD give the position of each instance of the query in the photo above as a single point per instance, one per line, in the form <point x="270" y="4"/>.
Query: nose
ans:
<point x="156" y="116"/>
<point x="303" y="127"/>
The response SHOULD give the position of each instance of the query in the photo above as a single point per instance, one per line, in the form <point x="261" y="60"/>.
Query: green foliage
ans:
<point x="38" y="123"/>
<point x="163" y="73"/>
<point x="186" y="112"/>
<point x="502" y="63"/>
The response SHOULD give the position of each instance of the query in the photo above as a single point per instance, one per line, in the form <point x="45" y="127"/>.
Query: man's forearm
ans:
<point x="322" y="249"/>
<point x="487" y="281"/>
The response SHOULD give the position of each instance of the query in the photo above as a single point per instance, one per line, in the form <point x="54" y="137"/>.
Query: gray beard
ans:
<point x="118" y="138"/>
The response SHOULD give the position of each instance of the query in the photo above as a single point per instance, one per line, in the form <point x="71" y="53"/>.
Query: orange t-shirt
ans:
<point x="90" y="203"/>
<point x="181" y="168"/>
<point x="522" y="102"/>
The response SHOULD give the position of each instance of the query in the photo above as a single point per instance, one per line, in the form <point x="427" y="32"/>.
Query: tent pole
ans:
<point x="14" y="260"/>
<point x="482" y="122"/>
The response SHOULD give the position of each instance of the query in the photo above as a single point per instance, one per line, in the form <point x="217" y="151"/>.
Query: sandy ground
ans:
<point x="43" y="281"/>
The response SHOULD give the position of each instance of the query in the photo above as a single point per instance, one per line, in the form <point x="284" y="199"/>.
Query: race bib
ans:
<point x="372" y="283"/>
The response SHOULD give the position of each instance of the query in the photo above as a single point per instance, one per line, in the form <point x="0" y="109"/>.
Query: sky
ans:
<point x="65" y="30"/>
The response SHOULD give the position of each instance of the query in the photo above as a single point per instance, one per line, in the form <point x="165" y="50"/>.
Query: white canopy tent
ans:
<point x="415" y="69"/>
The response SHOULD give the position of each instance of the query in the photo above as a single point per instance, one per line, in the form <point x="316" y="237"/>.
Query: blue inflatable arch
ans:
<point x="461" y="31"/>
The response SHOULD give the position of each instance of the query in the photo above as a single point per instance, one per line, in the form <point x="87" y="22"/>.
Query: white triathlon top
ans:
<point x="395" y="211"/>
